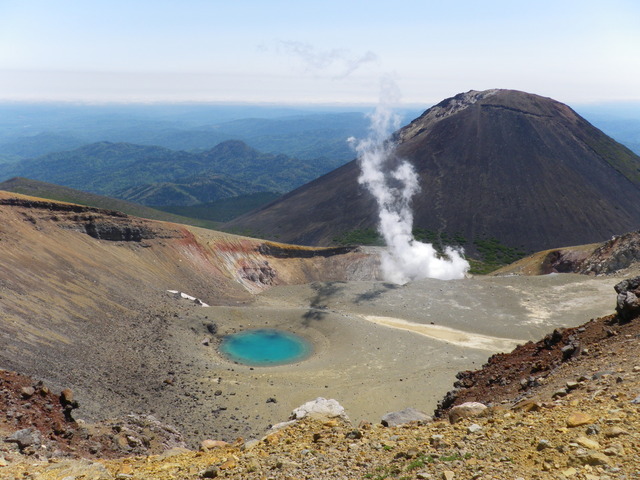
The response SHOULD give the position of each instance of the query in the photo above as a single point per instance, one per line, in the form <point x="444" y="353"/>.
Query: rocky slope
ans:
<point x="572" y="413"/>
<point x="86" y="317"/>
<point x="493" y="164"/>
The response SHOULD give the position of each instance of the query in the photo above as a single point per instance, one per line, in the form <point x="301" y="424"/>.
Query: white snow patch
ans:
<point x="179" y="294"/>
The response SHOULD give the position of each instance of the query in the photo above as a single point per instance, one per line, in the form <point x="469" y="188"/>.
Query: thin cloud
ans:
<point x="338" y="61"/>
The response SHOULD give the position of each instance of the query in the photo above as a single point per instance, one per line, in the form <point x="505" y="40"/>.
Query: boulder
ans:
<point x="407" y="415"/>
<point x="27" y="392"/>
<point x="212" y="328"/>
<point x="466" y="410"/>
<point x="628" y="300"/>
<point x="320" y="408"/>
<point x="24" y="438"/>
<point x="577" y="419"/>
<point x="68" y="402"/>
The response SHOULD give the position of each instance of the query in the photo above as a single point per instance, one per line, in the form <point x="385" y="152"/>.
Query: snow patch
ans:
<point x="179" y="294"/>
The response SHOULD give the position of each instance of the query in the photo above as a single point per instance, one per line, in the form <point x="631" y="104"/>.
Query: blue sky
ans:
<point x="298" y="52"/>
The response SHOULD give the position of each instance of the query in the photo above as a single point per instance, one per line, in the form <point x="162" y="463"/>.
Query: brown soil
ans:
<point x="601" y="346"/>
<point x="30" y="404"/>
<point x="27" y="404"/>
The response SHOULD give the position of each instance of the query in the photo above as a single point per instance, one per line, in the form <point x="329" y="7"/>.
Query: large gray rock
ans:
<point x="407" y="415"/>
<point x="24" y="438"/>
<point x="628" y="300"/>
<point x="320" y="408"/>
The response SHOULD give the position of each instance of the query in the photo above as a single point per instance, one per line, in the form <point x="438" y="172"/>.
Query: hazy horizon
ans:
<point x="292" y="53"/>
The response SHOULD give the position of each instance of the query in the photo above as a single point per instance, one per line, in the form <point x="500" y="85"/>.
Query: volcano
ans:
<point x="519" y="168"/>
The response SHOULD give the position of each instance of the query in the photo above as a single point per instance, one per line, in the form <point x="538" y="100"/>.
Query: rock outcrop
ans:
<point x="616" y="254"/>
<point x="628" y="300"/>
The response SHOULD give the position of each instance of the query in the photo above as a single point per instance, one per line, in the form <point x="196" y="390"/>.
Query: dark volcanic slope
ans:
<point x="500" y="163"/>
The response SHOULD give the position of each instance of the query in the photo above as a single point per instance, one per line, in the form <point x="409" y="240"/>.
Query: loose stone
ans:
<point x="578" y="419"/>
<point x="587" y="443"/>
<point x="27" y="392"/>
<point x="615" y="450"/>
<point x="210" y="472"/>
<point x="211" y="444"/>
<point x="613" y="432"/>
<point x="466" y="410"/>
<point x="402" y="417"/>
<point x="542" y="444"/>
<point x="474" y="428"/>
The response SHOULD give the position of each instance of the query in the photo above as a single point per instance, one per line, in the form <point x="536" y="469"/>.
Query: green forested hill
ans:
<point x="51" y="191"/>
<point x="159" y="176"/>
<point x="225" y="209"/>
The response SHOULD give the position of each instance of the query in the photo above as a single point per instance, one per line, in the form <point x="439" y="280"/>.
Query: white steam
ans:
<point x="393" y="182"/>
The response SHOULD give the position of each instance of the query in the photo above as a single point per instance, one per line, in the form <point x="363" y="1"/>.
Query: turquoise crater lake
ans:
<point x="265" y="347"/>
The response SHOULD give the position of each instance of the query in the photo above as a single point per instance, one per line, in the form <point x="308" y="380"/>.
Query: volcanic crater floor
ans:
<point x="581" y="420"/>
<point x="431" y="331"/>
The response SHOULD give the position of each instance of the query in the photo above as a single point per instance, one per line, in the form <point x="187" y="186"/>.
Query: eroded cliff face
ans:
<point x="223" y="261"/>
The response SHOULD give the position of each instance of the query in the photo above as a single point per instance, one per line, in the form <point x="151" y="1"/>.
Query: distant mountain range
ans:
<point x="29" y="131"/>
<point x="498" y="167"/>
<point x="157" y="176"/>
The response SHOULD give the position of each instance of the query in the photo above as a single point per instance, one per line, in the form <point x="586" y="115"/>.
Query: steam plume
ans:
<point x="393" y="182"/>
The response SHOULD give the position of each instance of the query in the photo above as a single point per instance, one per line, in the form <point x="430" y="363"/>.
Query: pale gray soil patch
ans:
<point x="525" y="307"/>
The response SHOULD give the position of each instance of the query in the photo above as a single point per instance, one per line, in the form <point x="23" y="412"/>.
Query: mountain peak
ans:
<point x="231" y="148"/>
<point x="446" y="108"/>
<point x="522" y="102"/>
<point x="495" y="164"/>
<point x="454" y="104"/>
